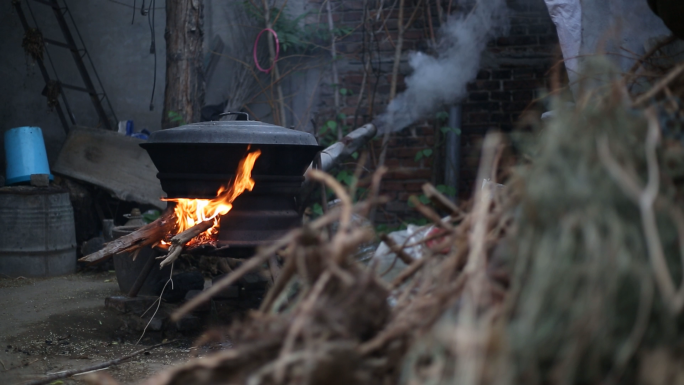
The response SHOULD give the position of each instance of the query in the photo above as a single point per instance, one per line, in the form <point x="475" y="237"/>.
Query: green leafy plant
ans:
<point x="426" y="153"/>
<point x="317" y="209"/>
<point x="422" y="198"/>
<point x="345" y="177"/>
<point x="447" y="129"/>
<point x="293" y="35"/>
<point x="442" y="115"/>
<point x="175" y="117"/>
<point x="150" y="216"/>
<point x="446" y="190"/>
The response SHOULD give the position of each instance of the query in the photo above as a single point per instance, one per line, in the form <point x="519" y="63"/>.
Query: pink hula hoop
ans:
<point x="256" y="42"/>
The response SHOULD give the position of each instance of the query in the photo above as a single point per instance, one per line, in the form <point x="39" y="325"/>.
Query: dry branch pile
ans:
<point x="571" y="274"/>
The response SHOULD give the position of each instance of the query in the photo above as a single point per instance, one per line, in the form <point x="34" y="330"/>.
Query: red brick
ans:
<point x="484" y="85"/>
<point x="518" y="30"/>
<point x="404" y="196"/>
<point x="548" y="40"/>
<point x="500" y="118"/>
<point x="427" y="131"/>
<point x="481" y="107"/>
<point x="514" y="106"/>
<point x="413" y="34"/>
<point x="502" y="96"/>
<point x="352" y="16"/>
<point x="522" y="95"/>
<point x="523" y="73"/>
<point x="483" y="75"/>
<point x="392" y="185"/>
<point x="353" y="78"/>
<point x="478" y="96"/>
<point x="517" y="41"/>
<point x="520" y="85"/>
<point x="478" y="117"/>
<point x="352" y="4"/>
<point x="408" y="174"/>
<point x="501" y="74"/>
<point x="414" y="187"/>
<point x="399" y="153"/>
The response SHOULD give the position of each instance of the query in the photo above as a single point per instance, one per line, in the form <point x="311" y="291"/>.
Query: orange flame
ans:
<point x="190" y="212"/>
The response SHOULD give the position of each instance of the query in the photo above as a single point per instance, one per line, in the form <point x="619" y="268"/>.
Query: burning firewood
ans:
<point x="192" y="217"/>
<point x="147" y="235"/>
<point x="179" y="241"/>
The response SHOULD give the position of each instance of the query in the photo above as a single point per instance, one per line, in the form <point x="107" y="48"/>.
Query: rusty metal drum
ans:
<point x="37" y="234"/>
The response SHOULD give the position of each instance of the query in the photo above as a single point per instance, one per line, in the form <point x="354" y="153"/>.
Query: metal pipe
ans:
<point x="334" y="154"/>
<point x="452" y="146"/>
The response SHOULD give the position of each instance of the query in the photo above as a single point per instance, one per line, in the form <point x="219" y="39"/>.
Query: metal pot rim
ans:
<point x="232" y="132"/>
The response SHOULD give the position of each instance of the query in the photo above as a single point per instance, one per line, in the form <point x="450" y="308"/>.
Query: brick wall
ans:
<point x="514" y="69"/>
<point x="508" y="85"/>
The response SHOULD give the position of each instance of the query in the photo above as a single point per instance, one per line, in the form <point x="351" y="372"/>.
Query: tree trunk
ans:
<point x="184" y="92"/>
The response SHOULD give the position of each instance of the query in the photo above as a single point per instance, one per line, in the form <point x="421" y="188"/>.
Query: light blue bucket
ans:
<point x="25" y="154"/>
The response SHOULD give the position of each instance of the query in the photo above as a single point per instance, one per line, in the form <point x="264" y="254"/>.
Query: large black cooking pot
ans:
<point x="195" y="160"/>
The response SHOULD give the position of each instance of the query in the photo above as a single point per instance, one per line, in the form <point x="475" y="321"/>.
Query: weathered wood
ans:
<point x="179" y="240"/>
<point x="185" y="85"/>
<point x="111" y="161"/>
<point x="144" y="236"/>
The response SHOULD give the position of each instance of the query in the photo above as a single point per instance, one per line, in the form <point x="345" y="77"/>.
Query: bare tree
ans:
<point x="185" y="86"/>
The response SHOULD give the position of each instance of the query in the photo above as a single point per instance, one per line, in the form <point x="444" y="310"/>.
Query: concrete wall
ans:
<point x="120" y="52"/>
<point x="228" y="21"/>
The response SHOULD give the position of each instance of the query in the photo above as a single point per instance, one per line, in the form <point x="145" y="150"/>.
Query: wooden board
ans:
<point x="111" y="161"/>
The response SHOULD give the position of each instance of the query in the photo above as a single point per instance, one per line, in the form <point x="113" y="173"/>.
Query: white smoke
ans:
<point x="442" y="79"/>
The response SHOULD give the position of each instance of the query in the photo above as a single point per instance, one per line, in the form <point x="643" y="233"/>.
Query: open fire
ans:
<point x="189" y="212"/>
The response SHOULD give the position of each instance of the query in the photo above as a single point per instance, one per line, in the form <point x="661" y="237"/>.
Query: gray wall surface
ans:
<point x="120" y="52"/>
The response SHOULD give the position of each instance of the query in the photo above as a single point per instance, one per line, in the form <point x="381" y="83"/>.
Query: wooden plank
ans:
<point x="113" y="162"/>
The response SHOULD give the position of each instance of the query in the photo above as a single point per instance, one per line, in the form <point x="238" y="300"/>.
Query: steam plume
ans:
<point x="442" y="79"/>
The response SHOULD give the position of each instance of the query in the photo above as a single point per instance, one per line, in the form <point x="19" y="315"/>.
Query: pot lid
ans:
<point x="235" y="131"/>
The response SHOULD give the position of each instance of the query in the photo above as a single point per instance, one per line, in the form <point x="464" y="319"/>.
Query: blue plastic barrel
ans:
<point x="25" y="154"/>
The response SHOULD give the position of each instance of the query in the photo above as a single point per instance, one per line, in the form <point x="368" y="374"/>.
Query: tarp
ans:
<point x="623" y="29"/>
<point x="567" y="16"/>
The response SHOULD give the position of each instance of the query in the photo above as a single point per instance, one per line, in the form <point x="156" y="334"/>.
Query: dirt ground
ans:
<point x="55" y="324"/>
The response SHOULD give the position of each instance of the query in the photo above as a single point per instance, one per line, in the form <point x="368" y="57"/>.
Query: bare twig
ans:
<point x="431" y="192"/>
<point x="300" y="321"/>
<point x="660" y="86"/>
<point x="336" y="80"/>
<point x="650" y="53"/>
<point x="399" y="251"/>
<point x="280" y="283"/>
<point x="179" y="241"/>
<point x="645" y="199"/>
<point x="69" y="373"/>
<point x="430" y="214"/>
<point x="408" y="272"/>
<point x="262" y="256"/>
<point x="345" y="199"/>
<point x="276" y="71"/>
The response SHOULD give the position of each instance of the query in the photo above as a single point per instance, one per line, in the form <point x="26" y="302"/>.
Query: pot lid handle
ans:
<point x="235" y="113"/>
